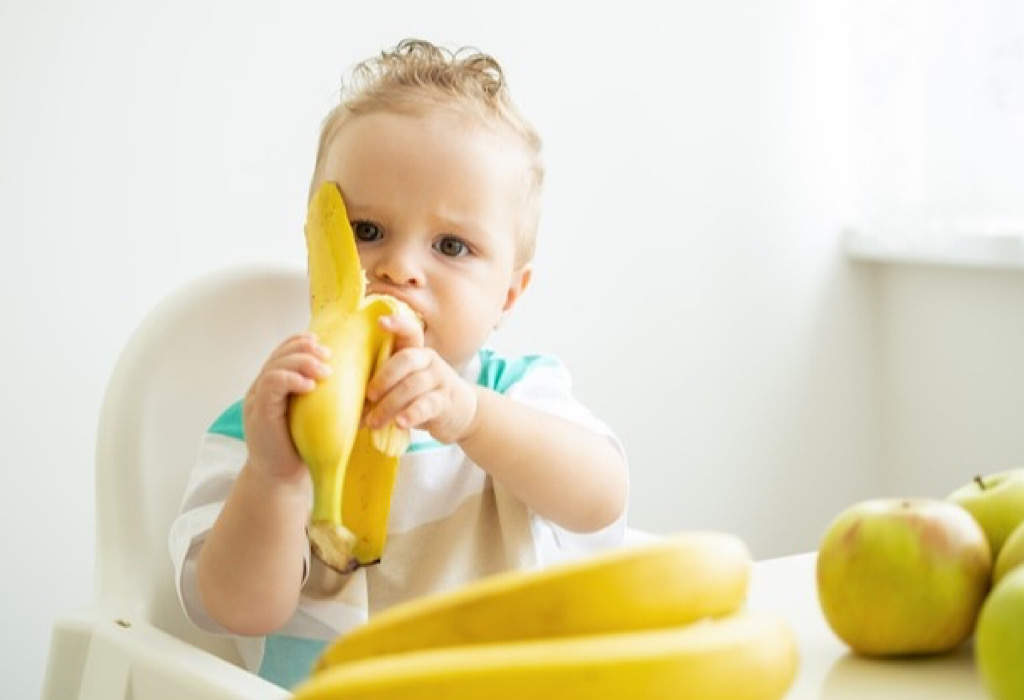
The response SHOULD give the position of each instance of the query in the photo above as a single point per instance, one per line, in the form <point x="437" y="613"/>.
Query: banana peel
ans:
<point x="353" y="469"/>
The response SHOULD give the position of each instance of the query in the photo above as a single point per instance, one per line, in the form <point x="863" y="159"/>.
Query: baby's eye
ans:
<point x="366" y="231"/>
<point x="451" y="247"/>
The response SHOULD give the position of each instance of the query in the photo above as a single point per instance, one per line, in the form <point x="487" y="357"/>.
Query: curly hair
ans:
<point x="417" y="76"/>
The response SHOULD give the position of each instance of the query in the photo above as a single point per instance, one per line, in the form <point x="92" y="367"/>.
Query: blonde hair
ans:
<point x="416" y="76"/>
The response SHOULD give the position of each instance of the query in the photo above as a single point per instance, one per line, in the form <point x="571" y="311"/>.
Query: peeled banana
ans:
<point x="663" y="583"/>
<point x="745" y="656"/>
<point x="353" y="469"/>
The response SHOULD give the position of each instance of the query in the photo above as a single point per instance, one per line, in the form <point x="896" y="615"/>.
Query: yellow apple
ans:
<point x="1011" y="555"/>
<point x="996" y="501"/>
<point x="999" y="642"/>
<point x="903" y="576"/>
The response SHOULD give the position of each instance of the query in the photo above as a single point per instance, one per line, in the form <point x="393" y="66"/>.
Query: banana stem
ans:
<point x="330" y="540"/>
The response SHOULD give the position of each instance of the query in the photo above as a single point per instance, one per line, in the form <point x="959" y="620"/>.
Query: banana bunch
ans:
<point x="353" y="469"/>
<point x="653" y="621"/>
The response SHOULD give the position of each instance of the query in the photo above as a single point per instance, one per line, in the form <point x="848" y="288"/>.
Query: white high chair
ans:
<point x="192" y="356"/>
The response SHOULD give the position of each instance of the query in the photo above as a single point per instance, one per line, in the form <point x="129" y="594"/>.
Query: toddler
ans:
<point x="441" y="177"/>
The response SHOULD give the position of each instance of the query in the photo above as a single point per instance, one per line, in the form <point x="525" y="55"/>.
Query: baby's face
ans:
<point x="436" y="205"/>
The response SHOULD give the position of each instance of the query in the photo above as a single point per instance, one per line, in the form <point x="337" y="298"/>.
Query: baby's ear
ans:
<point x="520" y="281"/>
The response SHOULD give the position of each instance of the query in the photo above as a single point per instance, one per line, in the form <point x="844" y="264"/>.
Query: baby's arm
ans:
<point x="562" y="471"/>
<point x="250" y="565"/>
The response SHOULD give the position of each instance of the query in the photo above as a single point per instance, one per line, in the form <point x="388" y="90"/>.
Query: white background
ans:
<point x="704" y="160"/>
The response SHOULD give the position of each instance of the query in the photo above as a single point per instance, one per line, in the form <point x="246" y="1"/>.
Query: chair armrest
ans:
<point x="94" y="657"/>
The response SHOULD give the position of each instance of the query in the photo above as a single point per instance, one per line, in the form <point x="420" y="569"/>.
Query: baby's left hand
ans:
<point x="417" y="389"/>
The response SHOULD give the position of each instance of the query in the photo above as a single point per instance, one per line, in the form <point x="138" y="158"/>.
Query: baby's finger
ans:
<point x="407" y="331"/>
<point x="303" y="363"/>
<point x="273" y="387"/>
<point x="302" y="343"/>
<point x="400" y="397"/>
<point x="395" y="370"/>
<point x="424" y="409"/>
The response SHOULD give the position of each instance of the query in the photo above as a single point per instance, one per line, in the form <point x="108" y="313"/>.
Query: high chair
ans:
<point x="192" y="356"/>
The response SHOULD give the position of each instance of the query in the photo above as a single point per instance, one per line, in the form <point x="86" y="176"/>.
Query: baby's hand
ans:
<point x="416" y="388"/>
<point x="292" y="368"/>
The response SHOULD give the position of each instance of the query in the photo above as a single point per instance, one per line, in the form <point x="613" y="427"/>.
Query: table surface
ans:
<point x="828" y="670"/>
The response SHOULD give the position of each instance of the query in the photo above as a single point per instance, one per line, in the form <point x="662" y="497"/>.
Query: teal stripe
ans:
<point x="425" y="446"/>
<point x="287" y="661"/>
<point x="230" y="423"/>
<point x="500" y="373"/>
<point x="496" y="373"/>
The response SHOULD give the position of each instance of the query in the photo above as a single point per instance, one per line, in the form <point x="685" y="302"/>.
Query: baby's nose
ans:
<point x="399" y="268"/>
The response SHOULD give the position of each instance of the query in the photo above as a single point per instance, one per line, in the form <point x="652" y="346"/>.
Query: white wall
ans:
<point x="953" y="387"/>
<point x="689" y="272"/>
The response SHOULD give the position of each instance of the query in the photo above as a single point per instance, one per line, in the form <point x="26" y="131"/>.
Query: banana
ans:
<point x="745" y="656"/>
<point x="352" y="469"/>
<point x="667" y="582"/>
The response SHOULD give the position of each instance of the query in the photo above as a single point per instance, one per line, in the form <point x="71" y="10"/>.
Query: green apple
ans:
<point x="997" y="502"/>
<point x="903" y="576"/>
<point x="999" y="642"/>
<point x="1010" y="556"/>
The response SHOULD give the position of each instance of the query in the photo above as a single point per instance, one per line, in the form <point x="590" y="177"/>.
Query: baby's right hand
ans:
<point x="292" y="368"/>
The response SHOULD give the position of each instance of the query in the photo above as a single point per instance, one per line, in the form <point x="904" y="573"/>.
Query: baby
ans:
<point x="442" y="179"/>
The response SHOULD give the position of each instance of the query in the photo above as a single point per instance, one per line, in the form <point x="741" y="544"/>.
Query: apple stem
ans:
<point x="980" y="482"/>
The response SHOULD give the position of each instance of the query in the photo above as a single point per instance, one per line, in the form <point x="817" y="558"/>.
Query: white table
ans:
<point x="828" y="670"/>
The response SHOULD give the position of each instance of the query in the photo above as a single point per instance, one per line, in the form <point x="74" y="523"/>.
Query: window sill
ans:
<point x="1005" y="252"/>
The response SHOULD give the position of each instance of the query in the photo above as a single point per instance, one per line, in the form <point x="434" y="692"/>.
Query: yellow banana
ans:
<point x="663" y="583"/>
<point x="745" y="656"/>
<point x="352" y="469"/>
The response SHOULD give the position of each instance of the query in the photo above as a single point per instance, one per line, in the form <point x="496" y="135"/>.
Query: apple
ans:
<point x="1010" y="556"/>
<point x="903" y="576"/>
<point x="996" y="501"/>
<point x="999" y="642"/>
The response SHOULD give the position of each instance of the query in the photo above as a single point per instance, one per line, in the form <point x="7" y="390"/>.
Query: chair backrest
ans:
<point x="193" y="355"/>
